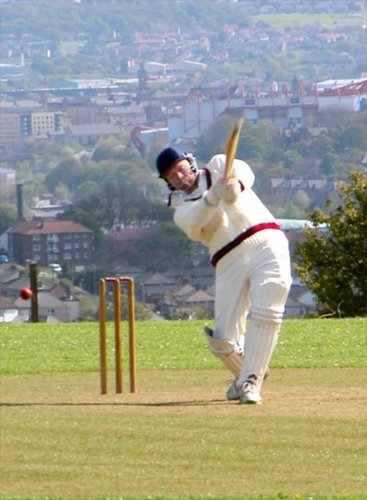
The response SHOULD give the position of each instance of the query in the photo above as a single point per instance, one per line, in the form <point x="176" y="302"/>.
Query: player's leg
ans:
<point x="269" y="287"/>
<point x="231" y="303"/>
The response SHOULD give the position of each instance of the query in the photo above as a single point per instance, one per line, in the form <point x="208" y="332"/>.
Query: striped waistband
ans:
<point x="241" y="237"/>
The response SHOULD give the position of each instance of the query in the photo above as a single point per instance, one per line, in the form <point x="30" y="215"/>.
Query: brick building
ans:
<point x="51" y="241"/>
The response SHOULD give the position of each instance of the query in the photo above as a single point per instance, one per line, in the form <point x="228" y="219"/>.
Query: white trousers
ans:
<point x="255" y="285"/>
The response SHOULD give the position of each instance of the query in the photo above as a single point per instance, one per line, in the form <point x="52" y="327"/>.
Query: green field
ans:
<point x="326" y="20"/>
<point x="70" y="47"/>
<point x="178" y="437"/>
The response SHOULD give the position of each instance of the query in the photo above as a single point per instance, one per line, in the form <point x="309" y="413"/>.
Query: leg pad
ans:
<point x="226" y="350"/>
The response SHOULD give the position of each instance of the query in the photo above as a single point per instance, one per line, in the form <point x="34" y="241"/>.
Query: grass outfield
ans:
<point x="178" y="437"/>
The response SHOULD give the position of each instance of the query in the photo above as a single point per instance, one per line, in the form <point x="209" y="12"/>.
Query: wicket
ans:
<point x="117" y="282"/>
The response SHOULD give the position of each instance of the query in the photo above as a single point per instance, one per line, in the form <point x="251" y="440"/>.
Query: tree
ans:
<point x="69" y="171"/>
<point x="166" y="246"/>
<point x="86" y="219"/>
<point x="350" y="136"/>
<point x="8" y="216"/>
<point x="333" y="258"/>
<point x="214" y="140"/>
<point x="256" y="141"/>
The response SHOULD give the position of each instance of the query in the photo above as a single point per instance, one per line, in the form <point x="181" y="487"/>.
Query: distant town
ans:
<point x="160" y="92"/>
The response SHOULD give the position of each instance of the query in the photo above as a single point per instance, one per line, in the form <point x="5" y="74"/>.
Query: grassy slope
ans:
<point x="178" y="436"/>
<point x="46" y="348"/>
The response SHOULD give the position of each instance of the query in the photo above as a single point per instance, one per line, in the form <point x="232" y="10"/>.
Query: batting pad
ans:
<point x="262" y="334"/>
<point x="227" y="351"/>
<point x="261" y="340"/>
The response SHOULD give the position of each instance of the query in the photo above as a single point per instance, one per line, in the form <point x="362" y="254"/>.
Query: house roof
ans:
<point x="30" y="227"/>
<point x="46" y="213"/>
<point x="200" y="296"/>
<point x="8" y="275"/>
<point x="178" y="272"/>
<point x="94" y="129"/>
<point x="157" y="279"/>
<point x="185" y="290"/>
<point x="294" y="224"/>
<point x="60" y="291"/>
<point x="292" y="303"/>
<point x="17" y="284"/>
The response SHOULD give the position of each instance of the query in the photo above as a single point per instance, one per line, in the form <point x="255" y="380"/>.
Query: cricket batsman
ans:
<point x="251" y="259"/>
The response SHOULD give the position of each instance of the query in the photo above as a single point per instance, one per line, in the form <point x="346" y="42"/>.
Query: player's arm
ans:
<point x="194" y="216"/>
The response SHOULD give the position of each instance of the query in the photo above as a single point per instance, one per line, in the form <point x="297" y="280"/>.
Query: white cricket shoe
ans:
<point x="249" y="394"/>
<point x="233" y="393"/>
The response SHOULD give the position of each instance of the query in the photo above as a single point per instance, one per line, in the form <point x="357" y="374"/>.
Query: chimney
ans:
<point x="20" y="215"/>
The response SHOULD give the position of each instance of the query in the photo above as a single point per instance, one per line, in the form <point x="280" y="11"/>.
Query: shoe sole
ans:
<point x="248" y="402"/>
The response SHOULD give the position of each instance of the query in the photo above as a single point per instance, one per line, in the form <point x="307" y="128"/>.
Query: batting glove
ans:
<point x="227" y="190"/>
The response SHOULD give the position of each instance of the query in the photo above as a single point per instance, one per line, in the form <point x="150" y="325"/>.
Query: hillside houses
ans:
<point x="55" y="303"/>
<point x="285" y="190"/>
<point x="179" y="292"/>
<point x="167" y="59"/>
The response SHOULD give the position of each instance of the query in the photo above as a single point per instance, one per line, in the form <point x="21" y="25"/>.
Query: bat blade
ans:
<point x="232" y="148"/>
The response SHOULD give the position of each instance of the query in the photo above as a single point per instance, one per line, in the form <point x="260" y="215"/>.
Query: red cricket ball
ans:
<point x="26" y="293"/>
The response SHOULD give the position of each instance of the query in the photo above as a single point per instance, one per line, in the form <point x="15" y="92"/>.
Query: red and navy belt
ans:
<point x="241" y="237"/>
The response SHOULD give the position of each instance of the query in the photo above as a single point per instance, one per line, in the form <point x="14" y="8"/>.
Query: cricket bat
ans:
<point x="232" y="148"/>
